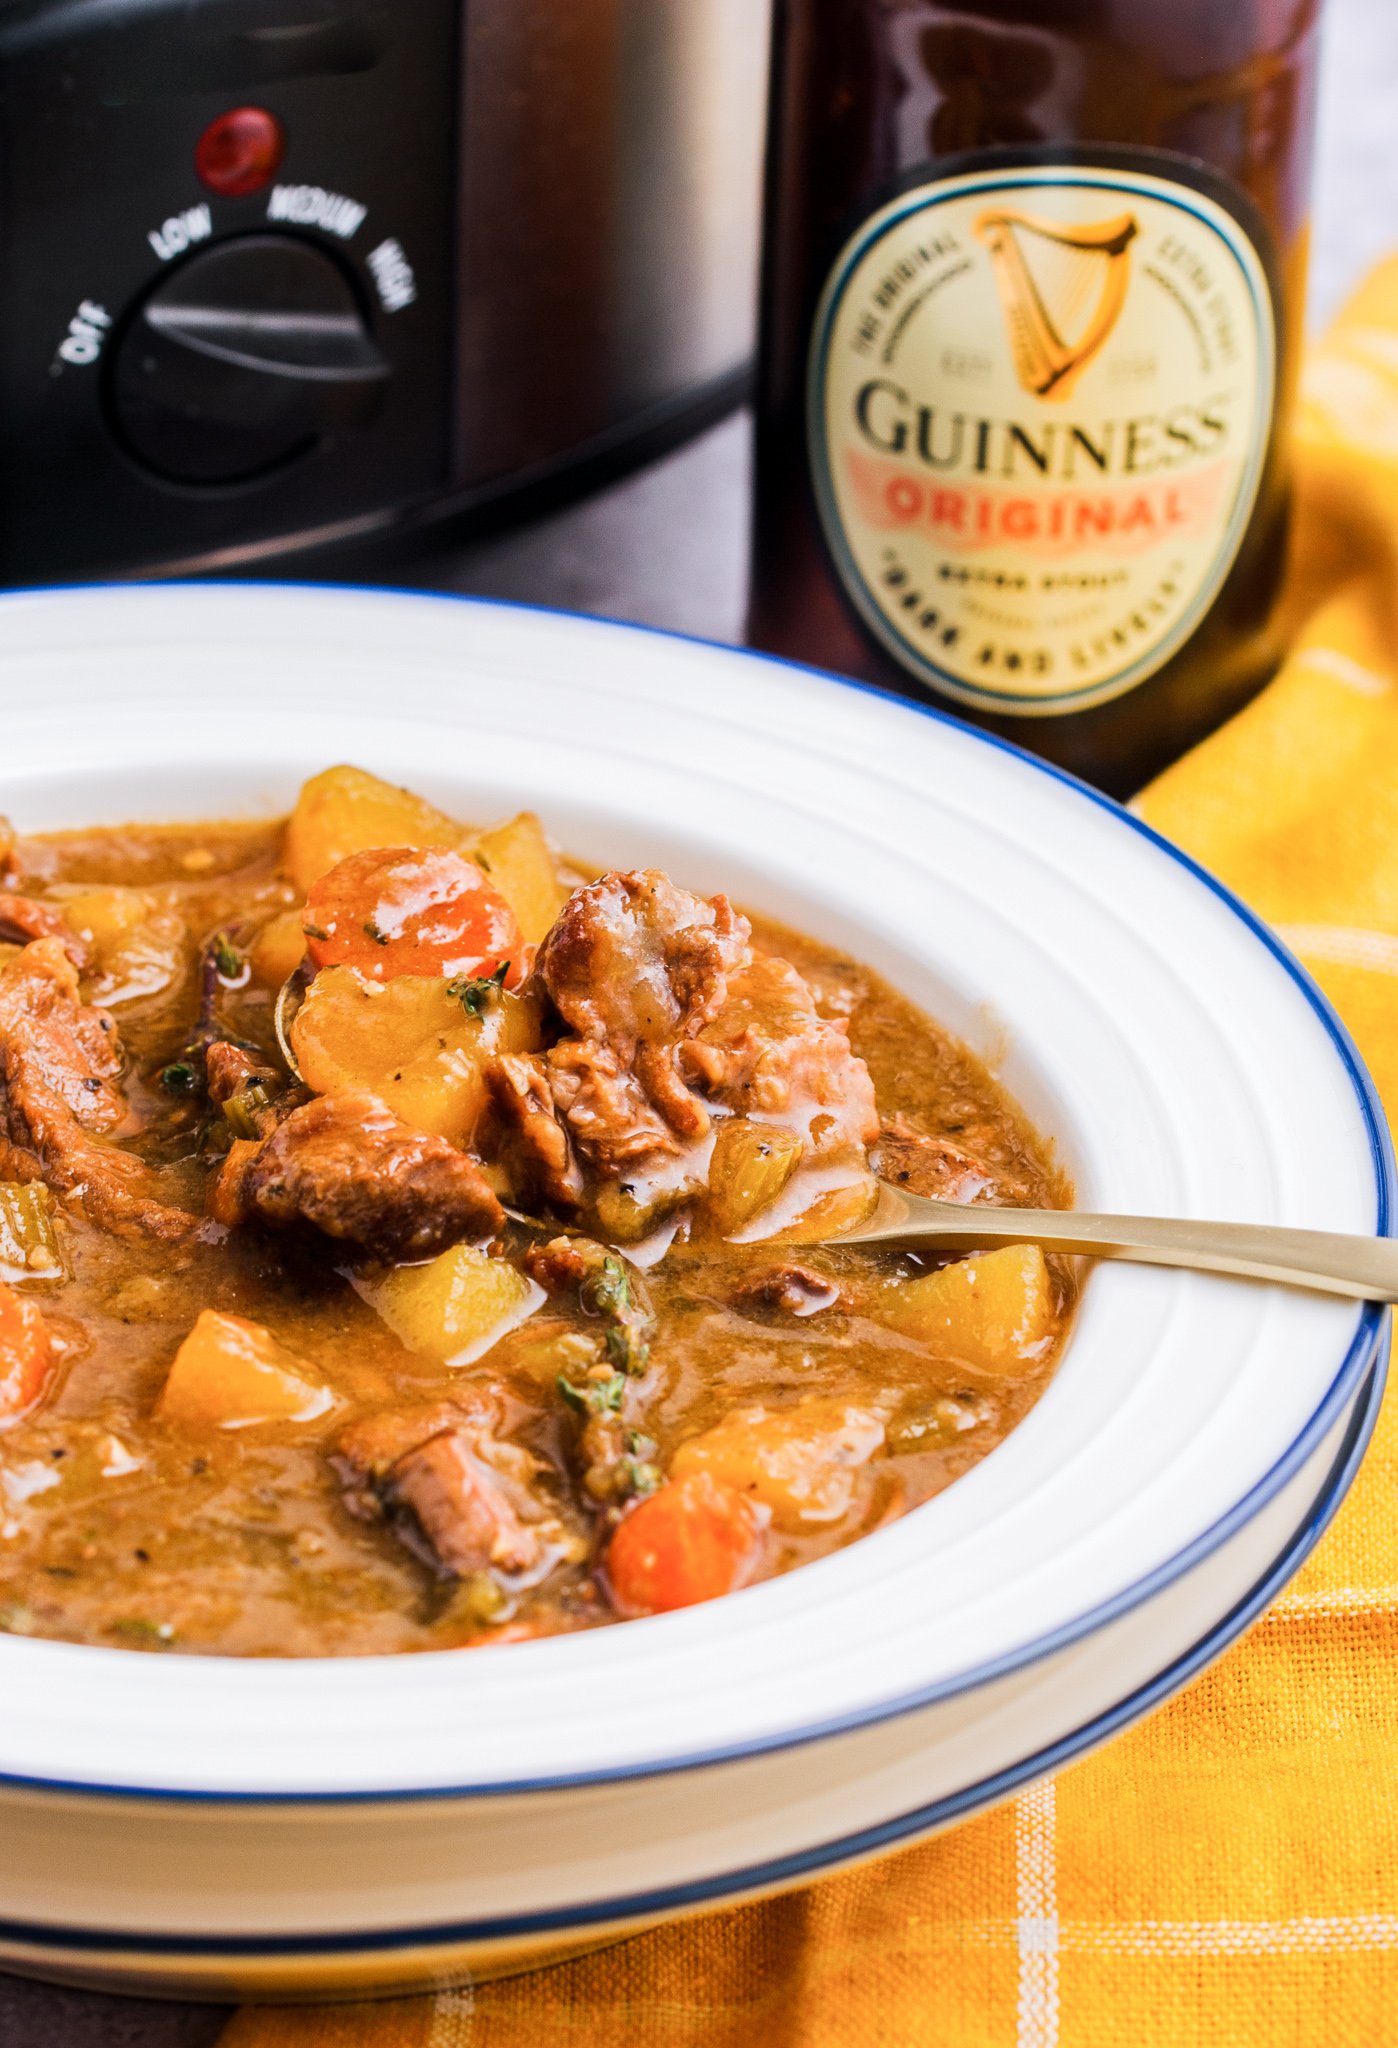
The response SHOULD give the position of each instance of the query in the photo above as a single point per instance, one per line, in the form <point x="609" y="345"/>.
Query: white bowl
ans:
<point x="214" y="1899"/>
<point x="1185" y="1063"/>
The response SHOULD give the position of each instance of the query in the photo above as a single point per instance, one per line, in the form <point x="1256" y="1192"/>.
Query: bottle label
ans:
<point x="1040" y="402"/>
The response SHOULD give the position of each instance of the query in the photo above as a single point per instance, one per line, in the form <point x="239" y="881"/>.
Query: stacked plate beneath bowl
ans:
<point x="309" y="1827"/>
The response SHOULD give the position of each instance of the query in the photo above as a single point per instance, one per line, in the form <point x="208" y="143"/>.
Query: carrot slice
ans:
<point x="405" y="910"/>
<point x="26" y="1355"/>
<point x="691" y="1541"/>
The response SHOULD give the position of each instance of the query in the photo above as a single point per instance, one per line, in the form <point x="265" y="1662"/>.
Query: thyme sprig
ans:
<point x="476" y="992"/>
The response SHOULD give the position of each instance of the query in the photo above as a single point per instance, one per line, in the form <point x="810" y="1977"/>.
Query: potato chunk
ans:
<point x="803" y="1463"/>
<point x="454" y="1308"/>
<point x="993" y="1312"/>
<point x="278" y="949"/>
<point x="138" y="944"/>
<point x="411" y="1042"/>
<point x="347" y="810"/>
<point x="517" y="859"/>
<point x="751" y="1165"/>
<point x="230" y="1373"/>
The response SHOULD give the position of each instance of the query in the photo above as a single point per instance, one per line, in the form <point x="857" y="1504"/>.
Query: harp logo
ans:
<point x="1062" y="291"/>
<point x="1040" y="400"/>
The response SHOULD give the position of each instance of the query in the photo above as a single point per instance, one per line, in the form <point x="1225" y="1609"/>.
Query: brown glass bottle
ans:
<point x="1130" y="492"/>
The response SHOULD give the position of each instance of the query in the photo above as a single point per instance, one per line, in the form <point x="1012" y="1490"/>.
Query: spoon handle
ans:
<point x="1363" y="1267"/>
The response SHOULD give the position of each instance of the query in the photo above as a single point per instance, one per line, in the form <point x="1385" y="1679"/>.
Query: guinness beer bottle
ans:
<point x="1032" y="299"/>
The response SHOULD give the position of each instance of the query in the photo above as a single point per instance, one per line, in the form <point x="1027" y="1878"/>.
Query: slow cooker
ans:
<point x="281" y="274"/>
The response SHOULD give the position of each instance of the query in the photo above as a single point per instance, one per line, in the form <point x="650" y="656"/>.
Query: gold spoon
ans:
<point x="1363" y="1267"/>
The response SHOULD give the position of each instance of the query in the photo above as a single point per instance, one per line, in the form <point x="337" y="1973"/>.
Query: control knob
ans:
<point x="244" y="358"/>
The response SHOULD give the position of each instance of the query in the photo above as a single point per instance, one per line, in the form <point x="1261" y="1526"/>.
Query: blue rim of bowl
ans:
<point x="1357" y="1359"/>
<point x="633" y="1913"/>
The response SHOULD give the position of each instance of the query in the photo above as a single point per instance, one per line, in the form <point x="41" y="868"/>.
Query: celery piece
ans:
<point x="243" y="1110"/>
<point x="29" y="1243"/>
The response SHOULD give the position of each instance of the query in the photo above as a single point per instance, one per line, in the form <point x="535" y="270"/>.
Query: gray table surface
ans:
<point x="668" y="546"/>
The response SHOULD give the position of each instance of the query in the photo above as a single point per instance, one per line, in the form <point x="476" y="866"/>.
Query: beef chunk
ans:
<point x="579" y="1102"/>
<point x="349" y="1167"/>
<point x="634" y="965"/>
<point x="609" y="1116"/>
<point x="465" y="1507"/>
<point x="633" y="959"/>
<point x="529" y="1140"/>
<point x="227" y="1199"/>
<point x="22" y="918"/>
<point x="669" y="1013"/>
<point x="770" y="1055"/>
<point x="254" y="1097"/>
<point x="57" y="1047"/>
<point x="928" y="1165"/>
<point x="59" y="1103"/>
<point x="795" y="1290"/>
<point x="263" y="1100"/>
<point x="660" y="1079"/>
<point x="231" y="1069"/>
<point x="369" y="1448"/>
<point x="463" y="1499"/>
<point x="562" y="1263"/>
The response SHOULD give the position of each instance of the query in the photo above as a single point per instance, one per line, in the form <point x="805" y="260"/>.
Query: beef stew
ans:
<point x="407" y="1239"/>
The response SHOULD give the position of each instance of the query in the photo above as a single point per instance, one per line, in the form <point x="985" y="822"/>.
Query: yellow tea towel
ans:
<point x="1225" y="1874"/>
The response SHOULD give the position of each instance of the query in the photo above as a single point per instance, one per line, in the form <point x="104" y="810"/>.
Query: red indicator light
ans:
<point x="239" y="151"/>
